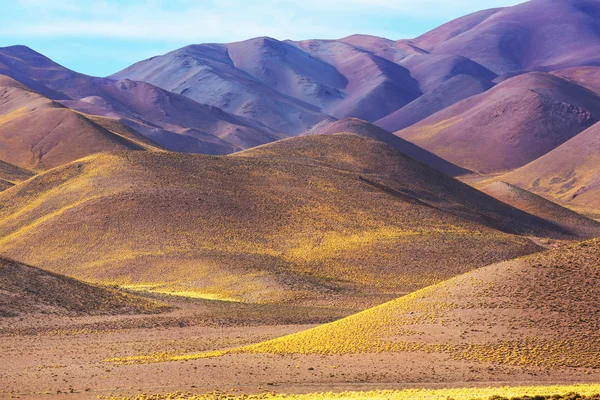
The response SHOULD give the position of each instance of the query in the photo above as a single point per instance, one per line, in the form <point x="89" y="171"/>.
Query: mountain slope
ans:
<point x="524" y="200"/>
<point x="586" y="76"/>
<point x="173" y="121"/>
<point x="510" y="125"/>
<point x="28" y="290"/>
<point x="536" y="311"/>
<point x="363" y="128"/>
<point x="375" y="86"/>
<point x="207" y="74"/>
<point x="455" y="89"/>
<point x="569" y="173"/>
<point x="38" y="133"/>
<point x="334" y="219"/>
<point x="538" y="34"/>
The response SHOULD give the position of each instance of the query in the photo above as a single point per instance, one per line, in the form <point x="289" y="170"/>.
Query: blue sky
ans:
<point x="99" y="37"/>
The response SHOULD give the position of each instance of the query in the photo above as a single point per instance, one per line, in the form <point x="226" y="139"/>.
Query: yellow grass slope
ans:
<point x="332" y="220"/>
<point x="29" y="290"/>
<point x="540" y="310"/>
<point x="556" y="392"/>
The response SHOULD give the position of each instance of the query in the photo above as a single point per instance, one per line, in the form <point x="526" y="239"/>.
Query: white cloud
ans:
<point x="213" y="20"/>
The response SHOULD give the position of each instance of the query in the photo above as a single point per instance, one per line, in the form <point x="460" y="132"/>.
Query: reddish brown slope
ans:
<point x="38" y="133"/>
<point x="578" y="224"/>
<point x="29" y="290"/>
<point x="510" y="125"/>
<point x="570" y="173"/>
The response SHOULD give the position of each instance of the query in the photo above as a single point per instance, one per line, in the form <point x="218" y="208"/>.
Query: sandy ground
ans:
<point x="58" y="357"/>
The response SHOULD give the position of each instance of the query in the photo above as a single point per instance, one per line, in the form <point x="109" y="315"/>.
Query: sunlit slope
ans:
<point x="29" y="290"/>
<point x="540" y="310"/>
<point x="38" y="133"/>
<point x="334" y="218"/>
<point x="540" y="206"/>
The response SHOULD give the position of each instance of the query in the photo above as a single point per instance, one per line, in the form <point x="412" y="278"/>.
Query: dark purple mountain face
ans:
<point x="450" y="92"/>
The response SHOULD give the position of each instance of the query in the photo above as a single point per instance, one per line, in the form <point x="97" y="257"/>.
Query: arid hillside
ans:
<point x="536" y="311"/>
<point x="11" y="174"/>
<point x="366" y="129"/>
<point x="543" y="208"/>
<point x="568" y="174"/>
<point x="28" y="290"/>
<point x="333" y="219"/>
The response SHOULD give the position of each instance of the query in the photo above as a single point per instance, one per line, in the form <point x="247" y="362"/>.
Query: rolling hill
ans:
<point x="28" y="290"/>
<point x="330" y="219"/>
<point x="39" y="133"/>
<point x="586" y="76"/>
<point x="510" y="125"/>
<point x="207" y="74"/>
<point x="364" y="128"/>
<point x="543" y="208"/>
<point x="568" y="174"/>
<point x="536" y="311"/>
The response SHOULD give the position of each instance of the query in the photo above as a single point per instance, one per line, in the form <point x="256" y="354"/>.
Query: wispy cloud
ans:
<point x="207" y="20"/>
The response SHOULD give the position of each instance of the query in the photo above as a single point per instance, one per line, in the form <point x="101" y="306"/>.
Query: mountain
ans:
<point x="536" y="205"/>
<point x="532" y="312"/>
<point x="538" y="34"/>
<point x="173" y="121"/>
<point x="363" y="128"/>
<point x="374" y="86"/>
<point x="288" y="86"/>
<point x="568" y="174"/>
<point x="452" y="91"/>
<point x="431" y="70"/>
<point x="510" y="125"/>
<point x="207" y="74"/>
<point x="38" y="133"/>
<point x="338" y="220"/>
<point x="28" y="290"/>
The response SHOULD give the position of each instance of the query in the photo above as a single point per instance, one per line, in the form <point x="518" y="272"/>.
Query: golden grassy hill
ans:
<point x="29" y="290"/>
<point x="336" y="219"/>
<point x="540" y="310"/>
<point x="522" y="199"/>
<point x="38" y="133"/>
